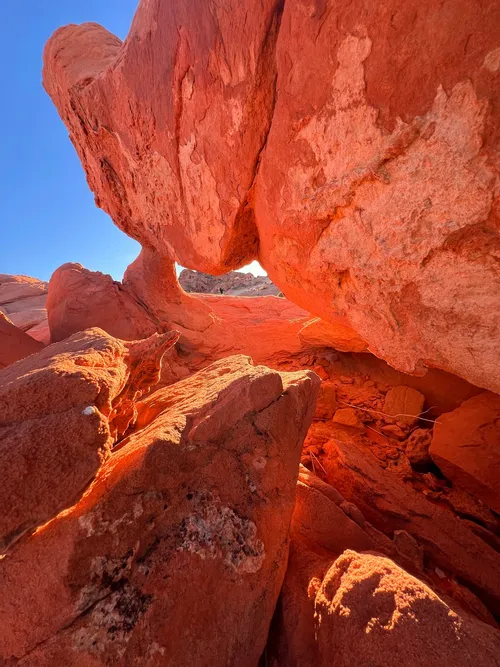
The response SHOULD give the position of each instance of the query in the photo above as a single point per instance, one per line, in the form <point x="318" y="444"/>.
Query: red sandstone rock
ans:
<point x="235" y="283"/>
<point x="466" y="447"/>
<point x="417" y="447"/>
<point x="364" y="610"/>
<point x="182" y="184"/>
<point x="370" y="195"/>
<point x="327" y="401"/>
<point x="80" y="299"/>
<point x="404" y="404"/>
<point x="211" y="326"/>
<point x="347" y="417"/>
<point x="14" y="343"/>
<point x="376" y="198"/>
<point x="23" y="299"/>
<point x="390" y="504"/>
<point x="61" y="411"/>
<point x="177" y="551"/>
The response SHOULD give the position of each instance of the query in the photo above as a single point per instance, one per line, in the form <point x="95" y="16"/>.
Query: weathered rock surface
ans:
<point x="364" y="610"/>
<point x="212" y="326"/>
<point x="235" y="283"/>
<point x="385" y="498"/>
<point x="61" y="411"/>
<point x="170" y="124"/>
<point x="23" y="300"/>
<point x="80" y="299"/>
<point x="177" y="551"/>
<point x="14" y="343"/>
<point x="466" y="447"/>
<point x="370" y="196"/>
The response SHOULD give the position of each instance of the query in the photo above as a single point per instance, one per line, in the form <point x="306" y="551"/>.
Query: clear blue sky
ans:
<point x="47" y="212"/>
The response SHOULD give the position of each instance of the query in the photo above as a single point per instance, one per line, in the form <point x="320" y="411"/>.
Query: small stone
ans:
<point x="393" y="431"/>
<point x="417" y="448"/>
<point x="347" y="417"/>
<point x="346" y="380"/>
<point x="405" y="403"/>
<point x="327" y="401"/>
<point x="408" y="546"/>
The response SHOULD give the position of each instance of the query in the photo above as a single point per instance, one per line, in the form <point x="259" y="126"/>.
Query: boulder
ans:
<point x="14" y="343"/>
<point x="177" y="551"/>
<point x="61" y="411"/>
<point x="363" y="609"/>
<point x="368" y="202"/>
<point x="80" y="299"/>
<point x="369" y="196"/>
<point x="390" y="504"/>
<point x="214" y="94"/>
<point x="466" y="447"/>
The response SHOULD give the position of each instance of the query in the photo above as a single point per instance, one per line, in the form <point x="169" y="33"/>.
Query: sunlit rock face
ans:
<point x="353" y="148"/>
<point x="151" y="509"/>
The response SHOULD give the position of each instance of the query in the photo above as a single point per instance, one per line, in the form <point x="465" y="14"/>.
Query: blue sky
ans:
<point x="48" y="215"/>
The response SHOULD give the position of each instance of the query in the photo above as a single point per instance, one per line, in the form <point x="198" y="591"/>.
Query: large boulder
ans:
<point x="170" y="124"/>
<point x="353" y="147"/>
<point x="14" y="343"/>
<point x="80" y="299"/>
<point x="177" y="551"/>
<point x="376" y="199"/>
<point x="363" y="609"/>
<point x="466" y="446"/>
<point x="61" y="412"/>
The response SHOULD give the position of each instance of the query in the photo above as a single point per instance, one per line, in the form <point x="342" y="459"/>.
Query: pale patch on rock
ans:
<point x="215" y="531"/>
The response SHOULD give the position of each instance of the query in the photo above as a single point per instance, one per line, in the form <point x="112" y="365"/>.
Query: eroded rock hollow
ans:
<point x="197" y="477"/>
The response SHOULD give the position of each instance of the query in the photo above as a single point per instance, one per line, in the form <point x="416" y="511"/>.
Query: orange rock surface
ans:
<point x="59" y="421"/>
<point x="176" y="552"/>
<point x="466" y="447"/>
<point x="362" y="609"/>
<point x="14" y="343"/>
<point x="352" y="148"/>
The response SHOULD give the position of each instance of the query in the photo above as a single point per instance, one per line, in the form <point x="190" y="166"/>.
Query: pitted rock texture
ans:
<point x="363" y="609"/>
<point x="353" y="148"/>
<point x="14" y="343"/>
<point x="177" y="551"/>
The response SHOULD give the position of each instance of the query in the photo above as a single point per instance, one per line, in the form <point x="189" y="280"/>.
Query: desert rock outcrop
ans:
<point x="235" y="283"/>
<point x="23" y="300"/>
<point x="177" y="550"/>
<point x="352" y="148"/>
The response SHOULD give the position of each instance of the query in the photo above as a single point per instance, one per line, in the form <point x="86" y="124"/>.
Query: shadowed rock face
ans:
<point x="352" y="148"/>
<point x="176" y="552"/>
<point x="23" y="300"/>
